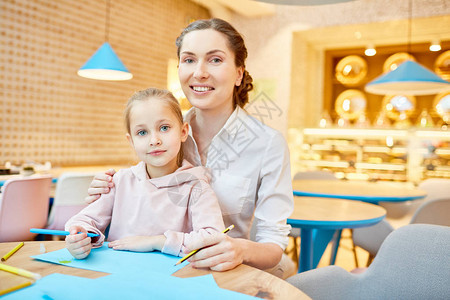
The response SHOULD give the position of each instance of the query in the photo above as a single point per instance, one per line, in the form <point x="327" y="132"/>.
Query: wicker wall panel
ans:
<point x="48" y="112"/>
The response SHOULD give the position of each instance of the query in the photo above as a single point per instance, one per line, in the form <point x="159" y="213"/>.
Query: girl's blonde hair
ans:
<point x="161" y="94"/>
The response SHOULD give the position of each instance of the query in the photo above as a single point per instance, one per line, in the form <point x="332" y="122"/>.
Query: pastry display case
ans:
<point x="373" y="154"/>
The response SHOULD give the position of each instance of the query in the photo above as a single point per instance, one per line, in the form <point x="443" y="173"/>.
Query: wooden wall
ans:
<point x="48" y="112"/>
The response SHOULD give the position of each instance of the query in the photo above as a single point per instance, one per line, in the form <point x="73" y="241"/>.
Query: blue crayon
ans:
<point x="56" y="232"/>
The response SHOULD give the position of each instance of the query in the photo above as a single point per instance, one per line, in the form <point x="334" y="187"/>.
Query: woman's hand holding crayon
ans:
<point x="78" y="244"/>
<point x="219" y="252"/>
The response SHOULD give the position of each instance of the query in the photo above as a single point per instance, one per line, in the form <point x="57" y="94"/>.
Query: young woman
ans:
<point x="249" y="161"/>
<point x="160" y="204"/>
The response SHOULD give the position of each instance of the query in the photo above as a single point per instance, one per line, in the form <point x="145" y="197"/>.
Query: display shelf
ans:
<point x="324" y="163"/>
<point x="355" y="132"/>
<point x="341" y="148"/>
<point x="374" y="154"/>
<point x="443" y="151"/>
<point x="385" y="149"/>
<point x="429" y="134"/>
<point x="381" y="166"/>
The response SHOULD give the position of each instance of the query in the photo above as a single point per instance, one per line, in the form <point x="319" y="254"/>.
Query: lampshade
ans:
<point x="105" y="65"/>
<point x="408" y="78"/>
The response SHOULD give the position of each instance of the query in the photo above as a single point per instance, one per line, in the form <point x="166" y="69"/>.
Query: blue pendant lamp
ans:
<point x="409" y="78"/>
<point x="105" y="64"/>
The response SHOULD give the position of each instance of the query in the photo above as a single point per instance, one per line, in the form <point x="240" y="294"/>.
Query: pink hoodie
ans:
<point x="181" y="205"/>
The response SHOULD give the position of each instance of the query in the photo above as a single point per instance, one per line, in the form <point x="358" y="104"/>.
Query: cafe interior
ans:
<point x="358" y="88"/>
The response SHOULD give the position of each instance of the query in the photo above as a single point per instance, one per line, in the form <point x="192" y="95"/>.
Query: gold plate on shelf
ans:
<point x="442" y="65"/>
<point x="351" y="70"/>
<point x="350" y="104"/>
<point x="396" y="59"/>
<point x="395" y="105"/>
<point x="441" y="104"/>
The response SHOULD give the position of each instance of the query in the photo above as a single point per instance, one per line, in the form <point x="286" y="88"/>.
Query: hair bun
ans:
<point x="241" y="92"/>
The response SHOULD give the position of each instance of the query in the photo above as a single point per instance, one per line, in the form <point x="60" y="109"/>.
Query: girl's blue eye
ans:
<point x="216" y="60"/>
<point x="188" y="60"/>
<point x="141" y="132"/>
<point x="164" y="128"/>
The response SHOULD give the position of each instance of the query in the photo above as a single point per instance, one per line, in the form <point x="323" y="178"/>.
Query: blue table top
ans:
<point x="334" y="214"/>
<point x="333" y="225"/>
<point x="370" y="199"/>
<point x="372" y="192"/>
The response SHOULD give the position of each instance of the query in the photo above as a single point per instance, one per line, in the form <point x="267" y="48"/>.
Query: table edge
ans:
<point x="370" y="199"/>
<point x="313" y="224"/>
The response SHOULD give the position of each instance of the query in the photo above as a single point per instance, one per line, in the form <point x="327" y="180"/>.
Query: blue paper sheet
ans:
<point x="149" y="285"/>
<point x="202" y="280"/>
<point x="107" y="260"/>
<point x="38" y="289"/>
<point x="134" y="275"/>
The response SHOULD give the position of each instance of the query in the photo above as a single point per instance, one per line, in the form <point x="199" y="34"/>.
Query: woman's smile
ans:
<point x="201" y="88"/>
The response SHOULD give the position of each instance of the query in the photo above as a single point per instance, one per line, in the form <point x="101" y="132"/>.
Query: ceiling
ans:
<point x="255" y="8"/>
<point x="303" y="2"/>
<point x="246" y="8"/>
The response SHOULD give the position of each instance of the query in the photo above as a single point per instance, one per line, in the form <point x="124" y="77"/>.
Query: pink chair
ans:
<point x="23" y="205"/>
<point x="71" y="190"/>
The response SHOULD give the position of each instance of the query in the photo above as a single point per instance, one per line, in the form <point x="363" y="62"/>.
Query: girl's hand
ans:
<point x="139" y="243"/>
<point x="78" y="244"/>
<point x="221" y="253"/>
<point x="101" y="184"/>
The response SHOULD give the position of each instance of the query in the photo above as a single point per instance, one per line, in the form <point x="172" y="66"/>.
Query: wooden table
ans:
<point x="372" y="192"/>
<point x="321" y="218"/>
<point x="243" y="279"/>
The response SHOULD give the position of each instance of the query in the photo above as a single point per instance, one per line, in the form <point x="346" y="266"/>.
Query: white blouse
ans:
<point x="251" y="176"/>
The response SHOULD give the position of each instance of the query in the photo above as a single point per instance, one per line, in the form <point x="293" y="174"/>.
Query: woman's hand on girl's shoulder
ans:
<point x="101" y="184"/>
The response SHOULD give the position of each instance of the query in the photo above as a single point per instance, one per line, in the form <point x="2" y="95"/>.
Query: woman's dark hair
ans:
<point x="236" y="44"/>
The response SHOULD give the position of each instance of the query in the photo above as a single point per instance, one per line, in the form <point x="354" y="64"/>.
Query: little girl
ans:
<point x="159" y="204"/>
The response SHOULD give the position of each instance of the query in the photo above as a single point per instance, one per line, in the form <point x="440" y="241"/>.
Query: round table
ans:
<point x="372" y="192"/>
<point x="243" y="279"/>
<point x="320" y="218"/>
